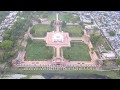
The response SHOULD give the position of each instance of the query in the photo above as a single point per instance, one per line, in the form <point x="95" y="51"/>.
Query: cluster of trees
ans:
<point x="95" y="39"/>
<point x="10" y="37"/>
<point x="117" y="61"/>
<point x="92" y="21"/>
<point x="52" y="23"/>
<point x="112" y="33"/>
<point x="82" y="25"/>
<point x="82" y="32"/>
<point x="6" y="45"/>
<point x="63" y="24"/>
<point x="32" y="31"/>
<point x="29" y="40"/>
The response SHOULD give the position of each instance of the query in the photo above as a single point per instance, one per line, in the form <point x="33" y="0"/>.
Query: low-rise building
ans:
<point x="108" y="55"/>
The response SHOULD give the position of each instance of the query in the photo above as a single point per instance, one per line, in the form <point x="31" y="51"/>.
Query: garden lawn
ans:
<point x="49" y="15"/>
<point x="38" y="51"/>
<point x="52" y="16"/>
<point x="69" y="17"/>
<point x="74" y="31"/>
<point x="41" y="30"/>
<point x="77" y="52"/>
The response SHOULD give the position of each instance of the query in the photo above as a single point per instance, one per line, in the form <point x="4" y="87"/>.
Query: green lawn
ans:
<point x="41" y="30"/>
<point x="52" y="16"/>
<point x="37" y="50"/>
<point x="74" y="31"/>
<point x="69" y="17"/>
<point x="77" y="51"/>
<point x="49" y="15"/>
<point x="44" y="14"/>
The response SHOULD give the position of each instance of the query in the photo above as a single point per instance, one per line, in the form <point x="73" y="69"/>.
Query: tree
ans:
<point x="32" y="31"/>
<point x="95" y="39"/>
<point x="81" y="23"/>
<point x="118" y="61"/>
<point x="9" y="64"/>
<point x="63" y="24"/>
<point x="6" y="56"/>
<point x="112" y="33"/>
<point x="92" y="21"/>
<point x="95" y="28"/>
<point x="12" y="53"/>
<point x="21" y="48"/>
<point x="29" y="40"/>
<point x="5" y="36"/>
<point x="82" y="32"/>
<point x="83" y="26"/>
<point x="52" y="22"/>
<point x="45" y="16"/>
<point x="1" y="58"/>
<point x="39" y="21"/>
<point x="7" y="45"/>
<point x="12" y="38"/>
<point x="92" y="49"/>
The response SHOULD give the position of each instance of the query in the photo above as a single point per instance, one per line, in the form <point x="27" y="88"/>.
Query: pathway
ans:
<point x="76" y="38"/>
<point x="58" y="52"/>
<point x="57" y="30"/>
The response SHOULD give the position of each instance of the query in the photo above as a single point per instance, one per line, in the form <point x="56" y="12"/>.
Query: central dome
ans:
<point x="57" y="37"/>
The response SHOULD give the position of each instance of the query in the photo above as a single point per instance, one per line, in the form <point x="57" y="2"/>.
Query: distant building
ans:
<point x="89" y="27"/>
<point x="44" y="21"/>
<point x="108" y="55"/>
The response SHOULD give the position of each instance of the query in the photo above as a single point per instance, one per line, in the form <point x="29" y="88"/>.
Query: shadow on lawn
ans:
<point x="73" y="76"/>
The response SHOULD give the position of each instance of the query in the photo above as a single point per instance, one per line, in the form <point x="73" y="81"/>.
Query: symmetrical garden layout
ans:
<point x="57" y="47"/>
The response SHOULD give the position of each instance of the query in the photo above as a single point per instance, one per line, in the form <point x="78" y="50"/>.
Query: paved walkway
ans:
<point x="57" y="30"/>
<point x="76" y="38"/>
<point x="58" y="52"/>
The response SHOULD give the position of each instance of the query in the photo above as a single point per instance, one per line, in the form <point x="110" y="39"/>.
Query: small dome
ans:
<point x="57" y="37"/>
